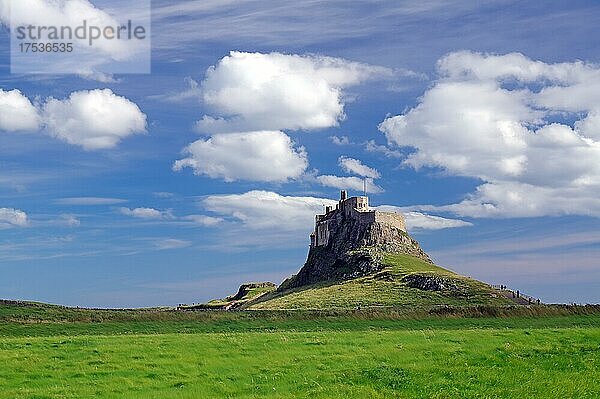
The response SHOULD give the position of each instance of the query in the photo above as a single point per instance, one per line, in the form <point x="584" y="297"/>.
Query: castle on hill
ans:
<point x="354" y="209"/>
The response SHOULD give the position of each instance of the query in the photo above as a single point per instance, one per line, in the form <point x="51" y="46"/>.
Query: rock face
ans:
<point x="430" y="283"/>
<point x="355" y="248"/>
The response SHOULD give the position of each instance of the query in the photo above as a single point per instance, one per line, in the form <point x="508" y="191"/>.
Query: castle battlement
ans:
<point x="353" y="209"/>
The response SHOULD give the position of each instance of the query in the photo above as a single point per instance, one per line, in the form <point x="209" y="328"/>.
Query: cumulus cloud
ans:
<point x="10" y="217"/>
<point x="145" y="213"/>
<point x="257" y="156"/>
<point x="355" y="166"/>
<point x="503" y="119"/>
<point x="349" y="183"/>
<point x="254" y="91"/>
<point x="17" y="113"/>
<point x="95" y="119"/>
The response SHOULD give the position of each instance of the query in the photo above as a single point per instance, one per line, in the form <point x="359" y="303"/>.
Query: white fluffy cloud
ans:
<point x="349" y="183"/>
<point x="265" y="210"/>
<point x="10" y="217"/>
<point x="355" y="166"/>
<point x="340" y="140"/>
<point x="257" y="156"/>
<point x="17" y="113"/>
<point x="487" y="118"/>
<point x="145" y="213"/>
<point x="254" y="91"/>
<point x="95" y="119"/>
<point x="203" y="220"/>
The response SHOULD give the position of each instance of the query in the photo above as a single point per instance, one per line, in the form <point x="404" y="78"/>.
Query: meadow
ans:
<point x="486" y="352"/>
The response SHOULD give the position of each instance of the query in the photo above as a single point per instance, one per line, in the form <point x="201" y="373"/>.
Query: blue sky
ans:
<point x="500" y="174"/>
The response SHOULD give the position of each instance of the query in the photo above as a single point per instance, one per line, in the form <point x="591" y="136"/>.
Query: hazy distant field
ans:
<point x="241" y="356"/>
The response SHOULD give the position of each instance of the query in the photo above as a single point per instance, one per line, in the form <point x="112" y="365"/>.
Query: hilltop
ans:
<point x="403" y="281"/>
<point x="360" y="257"/>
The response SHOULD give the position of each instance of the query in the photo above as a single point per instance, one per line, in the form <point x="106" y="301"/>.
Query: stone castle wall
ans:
<point x="393" y="219"/>
<point x="354" y="209"/>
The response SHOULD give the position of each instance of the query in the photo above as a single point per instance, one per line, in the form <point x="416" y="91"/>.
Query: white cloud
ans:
<point x="372" y="146"/>
<point x="340" y="140"/>
<point x="172" y="243"/>
<point x="268" y="210"/>
<point x="95" y="119"/>
<point x="145" y="213"/>
<point x="69" y="221"/>
<point x="168" y="216"/>
<point x="10" y="217"/>
<point x="349" y="183"/>
<point x="355" y="166"/>
<point x="89" y="201"/>
<point x="256" y="156"/>
<point x="422" y="221"/>
<point x="163" y="194"/>
<point x="17" y="113"/>
<point x="193" y="92"/>
<point x="254" y="91"/>
<point x="203" y="220"/>
<point x="486" y="118"/>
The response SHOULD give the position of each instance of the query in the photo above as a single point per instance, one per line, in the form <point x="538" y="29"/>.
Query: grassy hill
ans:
<point x="405" y="281"/>
<point x="247" y="292"/>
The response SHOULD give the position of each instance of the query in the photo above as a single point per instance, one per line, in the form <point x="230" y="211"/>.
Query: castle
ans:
<point x="354" y="209"/>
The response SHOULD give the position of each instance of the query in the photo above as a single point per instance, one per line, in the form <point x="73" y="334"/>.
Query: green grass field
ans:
<point x="537" y="352"/>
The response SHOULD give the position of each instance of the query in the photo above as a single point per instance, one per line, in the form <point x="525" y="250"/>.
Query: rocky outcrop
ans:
<point x="355" y="249"/>
<point x="245" y="289"/>
<point x="430" y="283"/>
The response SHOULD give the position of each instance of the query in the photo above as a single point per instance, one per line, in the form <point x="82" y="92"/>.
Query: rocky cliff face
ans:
<point x="355" y="249"/>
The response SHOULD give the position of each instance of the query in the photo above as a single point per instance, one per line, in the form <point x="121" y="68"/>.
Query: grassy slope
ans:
<point x="252" y="293"/>
<point x="385" y="289"/>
